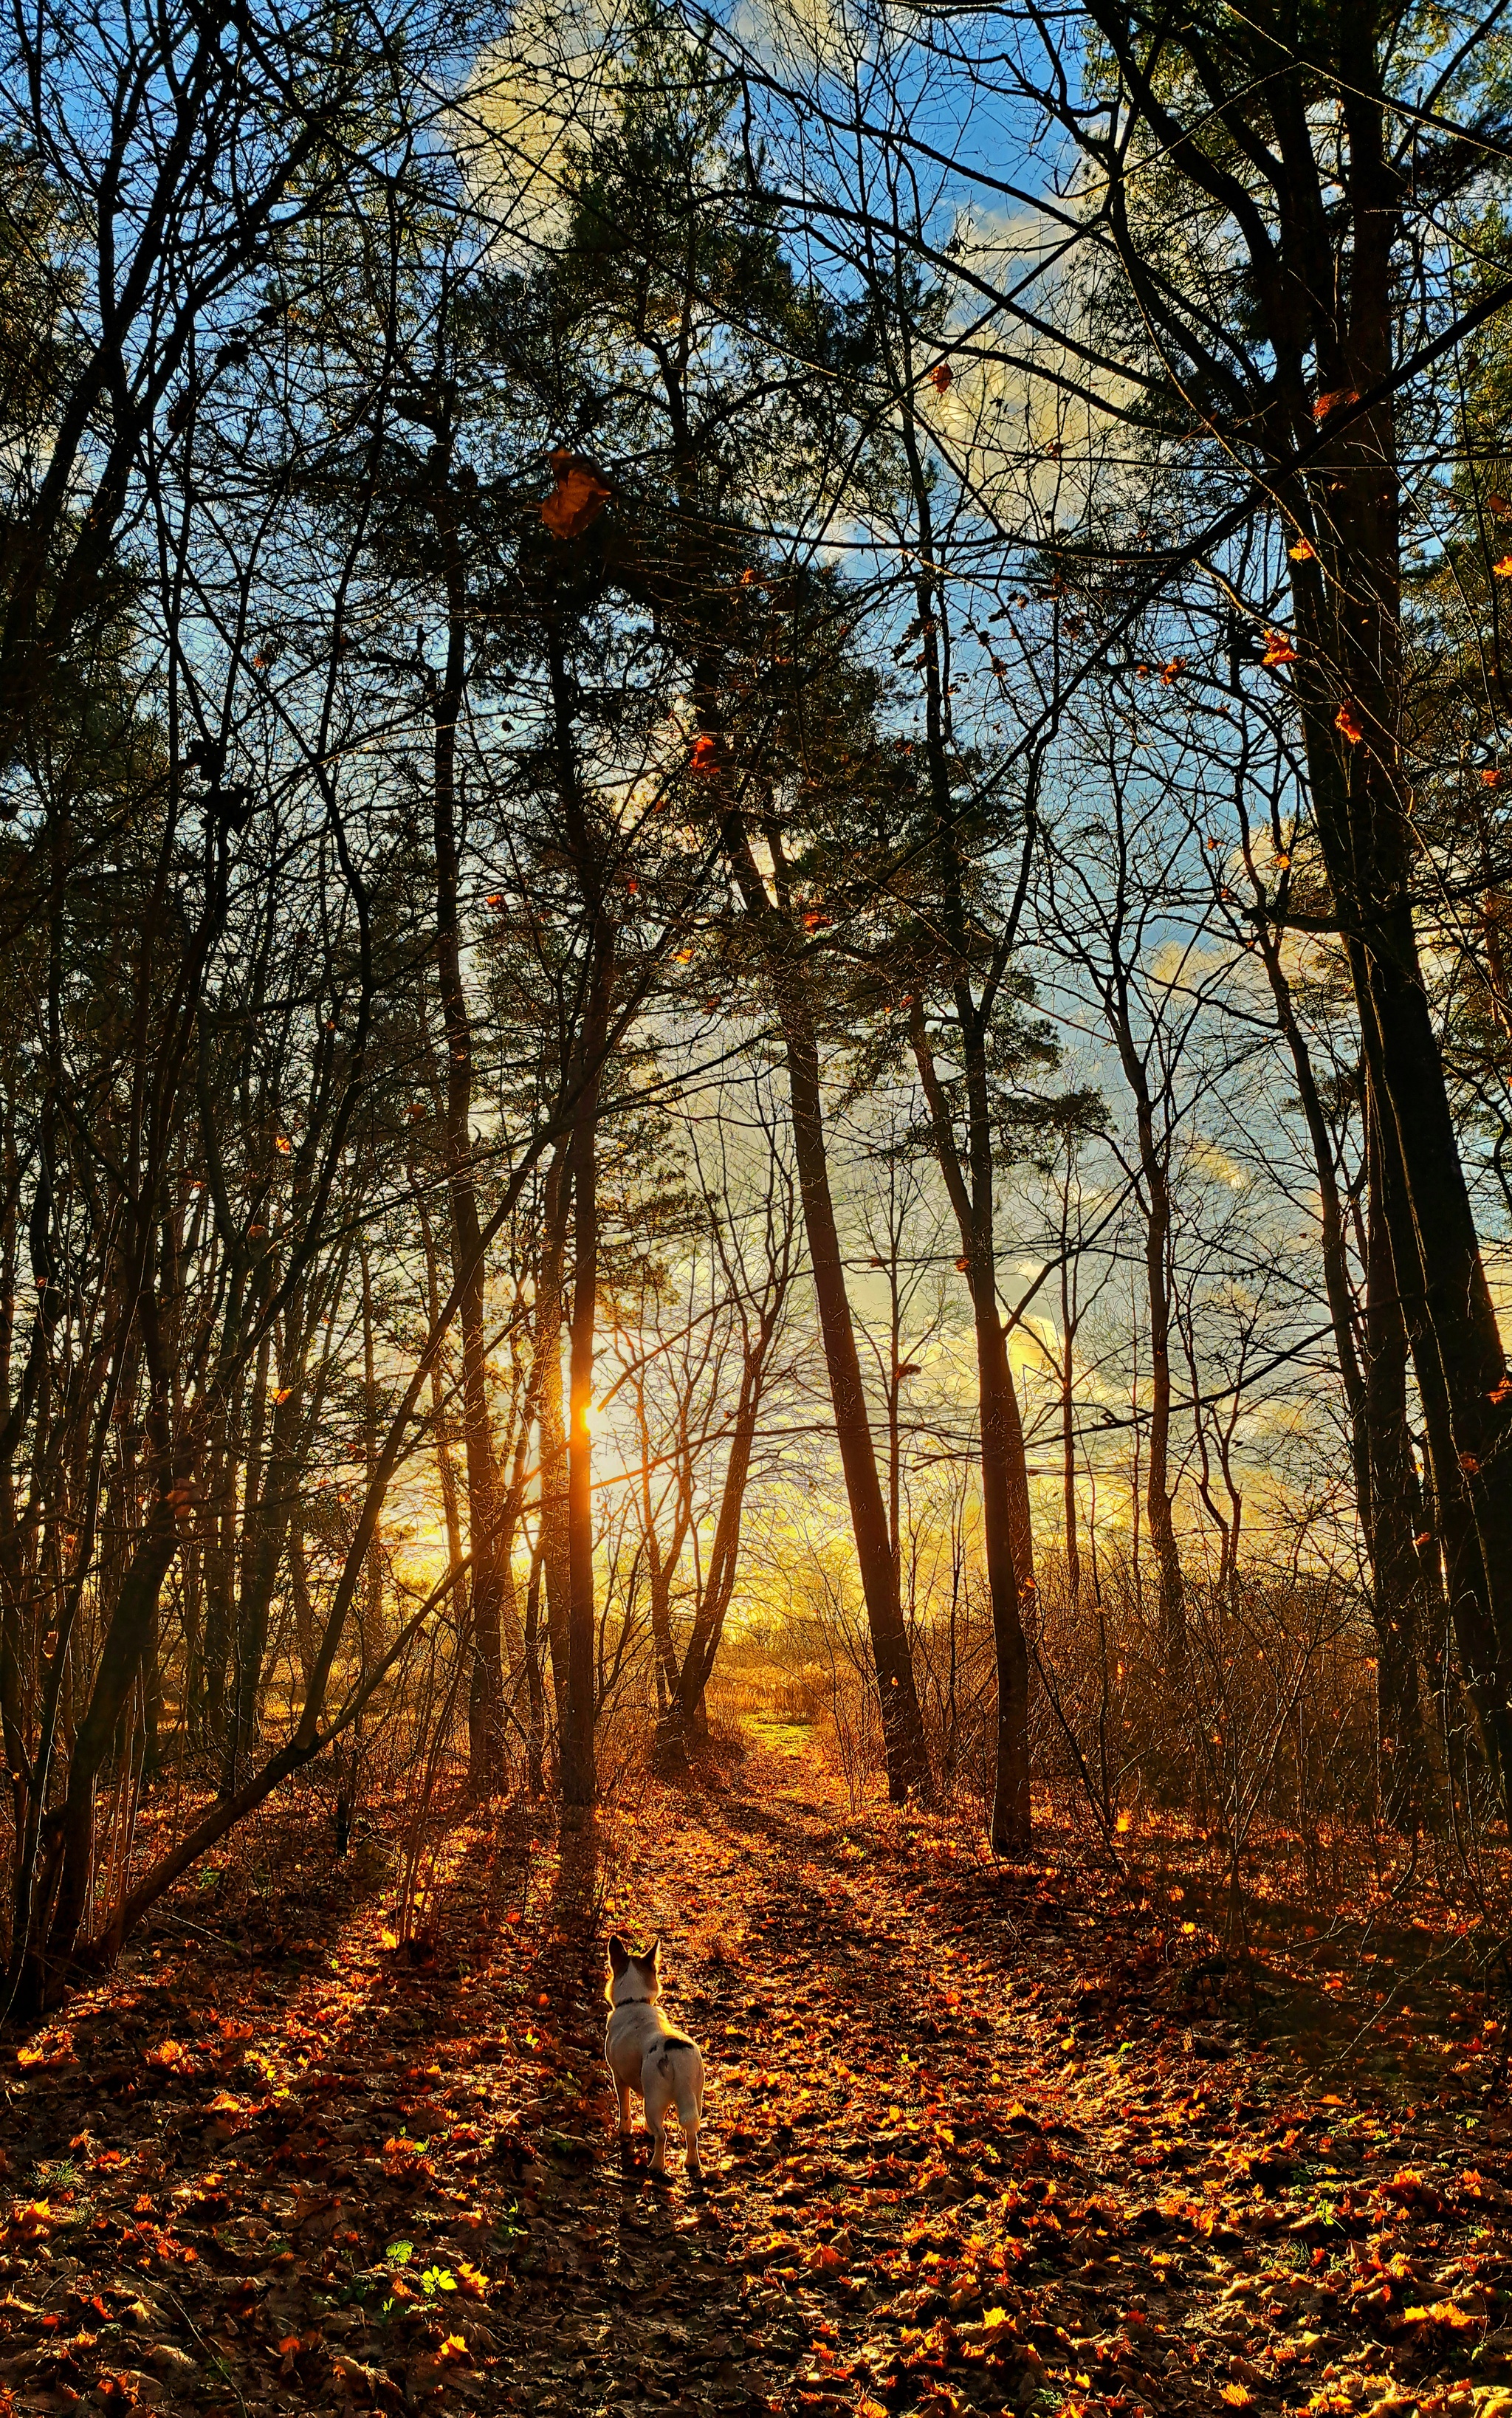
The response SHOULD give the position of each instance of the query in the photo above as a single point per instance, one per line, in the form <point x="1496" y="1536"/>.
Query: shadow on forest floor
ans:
<point x="979" y="2138"/>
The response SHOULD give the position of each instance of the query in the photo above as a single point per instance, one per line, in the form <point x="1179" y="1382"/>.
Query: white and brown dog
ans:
<point x="648" y="2055"/>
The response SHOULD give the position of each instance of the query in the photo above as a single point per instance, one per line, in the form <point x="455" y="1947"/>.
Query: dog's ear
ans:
<point x="619" y="1955"/>
<point x="651" y="1955"/>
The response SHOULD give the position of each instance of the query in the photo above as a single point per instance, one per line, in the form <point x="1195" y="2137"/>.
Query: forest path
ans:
<point x="966" y="2149"/>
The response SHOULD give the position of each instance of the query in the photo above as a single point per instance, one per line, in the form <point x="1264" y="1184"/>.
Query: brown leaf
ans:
<point x="577" y="498"/>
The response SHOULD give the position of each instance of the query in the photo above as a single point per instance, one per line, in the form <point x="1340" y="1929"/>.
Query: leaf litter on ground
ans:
<point x="980" y="2138"/>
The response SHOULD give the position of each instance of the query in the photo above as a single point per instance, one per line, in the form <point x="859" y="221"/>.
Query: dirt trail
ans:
<point x="975" y="2144"/>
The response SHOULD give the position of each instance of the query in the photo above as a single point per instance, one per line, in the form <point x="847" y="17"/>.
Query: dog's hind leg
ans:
<point x="691" y="2109"/>
<point x="627" y="2138"/>
<point x="660" y="2091"/>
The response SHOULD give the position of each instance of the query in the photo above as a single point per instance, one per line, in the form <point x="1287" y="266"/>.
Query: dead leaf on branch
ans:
<point x="577" y="498"/>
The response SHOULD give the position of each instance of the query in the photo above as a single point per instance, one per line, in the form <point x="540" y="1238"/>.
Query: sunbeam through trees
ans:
<point x="755" y="1152"/>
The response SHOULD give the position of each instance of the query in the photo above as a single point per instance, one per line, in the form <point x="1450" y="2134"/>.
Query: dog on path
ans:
<point x="649" y="2056"/>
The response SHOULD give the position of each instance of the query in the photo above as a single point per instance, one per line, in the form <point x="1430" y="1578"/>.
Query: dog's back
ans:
<point x="651" y="2057"/>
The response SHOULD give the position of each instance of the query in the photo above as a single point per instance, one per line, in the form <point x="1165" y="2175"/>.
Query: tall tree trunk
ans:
<point x="485" y="1692"/>
<point x="1393" y="1517"/>
<point x="902" y="1734"/>
<point x="223" y="1484"/>
<point x="1007" y="1528"/>
<point x="907" y="1760"/>
<point x="660" y="1568"/>
<point x="1068" y="1436"/>
<point x="685" y="1704"/>
<point x="1347" y="594"/>
<point x="1375" y="1394"/>
<point x="58" y="1903"/>
<point x="551" y="1425"/>
<point x="1155" y="1208"/>
<point x="535" y="1725"/>
<point x="370" y="1619"/>
<point x="70" y="1860"/>
<point x="262" y="1555"/>
<point x="1005" y="1510"/>
<point x="1171" y="1599"/>
<point x="248" y="1632"/>
<point x="445" y="1469"/>
<point x="578" y="1774"/>
<point x="152" y="1698"/>
<point x="306" y="1625"/>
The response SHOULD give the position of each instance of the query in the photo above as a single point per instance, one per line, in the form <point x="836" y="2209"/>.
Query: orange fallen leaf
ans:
<point x="1278" y="649"/>
<point x="54" y="2049"/>
<point x="942" y="377"/>
<point x="167" y="2053"/>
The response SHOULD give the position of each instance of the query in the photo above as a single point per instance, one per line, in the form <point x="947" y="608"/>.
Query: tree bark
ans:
<point x="369" y="1623"/>
<point x="1394" y="1513"/>
<point x="248" y="1631"/>
<point x="485" y="1692"/>
<point x="685" y="1702"/>
<point x="552" y="1429"/>
<point x="1007" y="1530"/>
<point x="908" y="1761"/>
<point x="1155" y="1208"/>
<point x="70" y="1855"/>
<point x="579" y="1780"/>
<point x="1068" y="1428"/>
<point x="903" y="1736"/>
<point x="1322" y="253"/>
<point x="1386" y="1486"/>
